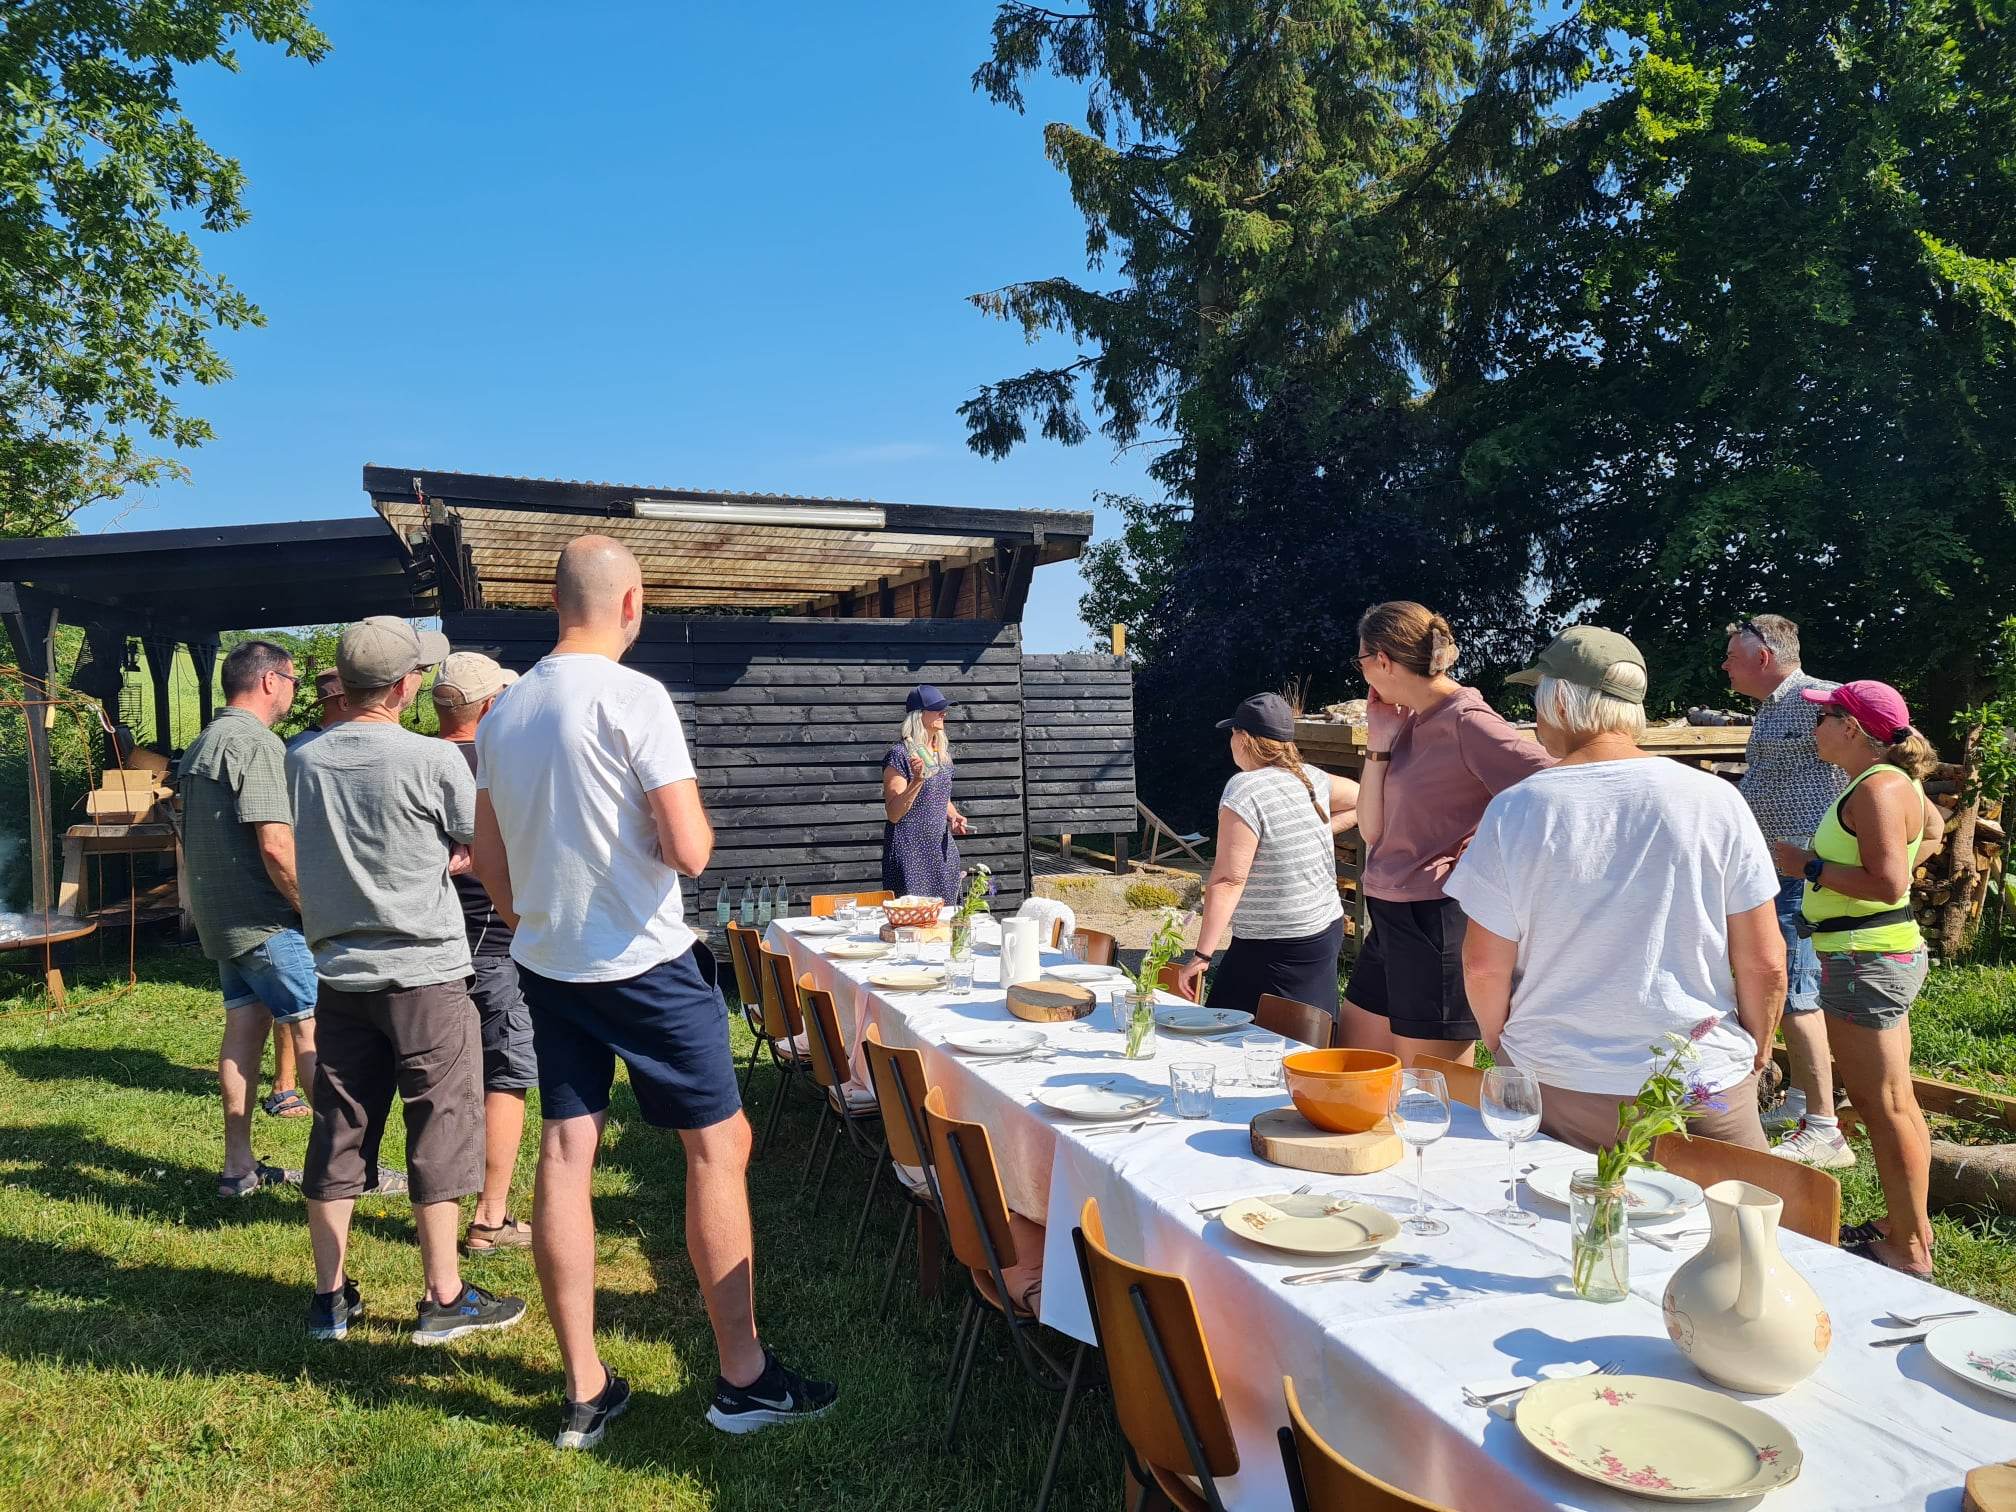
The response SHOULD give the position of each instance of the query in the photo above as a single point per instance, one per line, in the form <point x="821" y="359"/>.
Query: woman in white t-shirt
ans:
<point x="1615" y="898"/>
<point x="1274" y="880"/>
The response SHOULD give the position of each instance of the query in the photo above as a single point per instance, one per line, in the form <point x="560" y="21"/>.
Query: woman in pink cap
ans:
<point x="1872" y="957"/>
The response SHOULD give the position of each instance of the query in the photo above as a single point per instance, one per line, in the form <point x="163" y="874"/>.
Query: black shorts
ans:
<point x="1304" y="969"/>
<point x="1410" y="970"/>
<point x="669" y="1025"/>
<point x="509" y="1064"/>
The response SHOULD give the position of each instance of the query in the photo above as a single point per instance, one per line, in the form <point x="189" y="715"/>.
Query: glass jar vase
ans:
<point x="1140" y="1026"/>
<point x="962" y="937"/>
<point x="1599" y="1229"/>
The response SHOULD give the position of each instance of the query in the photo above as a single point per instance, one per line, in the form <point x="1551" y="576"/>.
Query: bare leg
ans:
<point x="302" y="1034"/>
<point x="503" y="1127"/>
<point x="563" y="1246"/>
<point x="286" y="1077"/>
<point x="435" y="1224"/>
<point x="244" y="1046"/>
<point x="719" y="1241"/>
<point x="1461" y="1051"/>
<point x="1807" y="1048"/>
<point x="1875" y="1066"/>
<point x="329" y="1233"/>
<point x="1359" y="1030"/>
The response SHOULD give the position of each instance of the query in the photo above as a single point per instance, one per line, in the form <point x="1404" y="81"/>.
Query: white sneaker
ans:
<point x="1788" y="1115"/>
<point x="1809" y="1146"/>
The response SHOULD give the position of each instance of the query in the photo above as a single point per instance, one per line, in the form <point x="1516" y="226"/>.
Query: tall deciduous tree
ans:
<point x="1760" y="342"/>
<point x="105" y="306"/>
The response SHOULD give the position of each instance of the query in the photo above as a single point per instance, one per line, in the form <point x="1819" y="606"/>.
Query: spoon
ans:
<point x="1908" y="1320"/>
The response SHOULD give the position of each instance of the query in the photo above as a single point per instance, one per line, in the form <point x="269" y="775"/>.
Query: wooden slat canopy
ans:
<point x="809" y="555"/>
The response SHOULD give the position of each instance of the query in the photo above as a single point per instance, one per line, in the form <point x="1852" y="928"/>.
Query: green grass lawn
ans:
<point x="152" y="1349"/>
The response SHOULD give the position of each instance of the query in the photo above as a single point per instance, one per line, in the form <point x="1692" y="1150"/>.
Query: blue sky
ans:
<point x="701" y="246"/>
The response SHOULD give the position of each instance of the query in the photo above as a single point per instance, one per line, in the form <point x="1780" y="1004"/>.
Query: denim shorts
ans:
<point x="1802" y="962"/>
<point x="278" y="974"/>
<point x="1871" y="988"/>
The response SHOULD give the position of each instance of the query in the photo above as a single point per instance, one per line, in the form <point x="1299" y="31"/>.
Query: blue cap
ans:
<point x="927" y="698"/>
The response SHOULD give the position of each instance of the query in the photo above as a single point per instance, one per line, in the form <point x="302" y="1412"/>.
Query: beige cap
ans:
<point x="328" y="685"/>
<point x="469" y="677"/>
<point x="1584" y="655"/>
<point x="377" y="652"/>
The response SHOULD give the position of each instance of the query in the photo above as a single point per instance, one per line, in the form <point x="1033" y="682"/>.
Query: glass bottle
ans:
<point x="763" y="906"/>
<point x="723" y="907"/>
<point x="748" y="905"/>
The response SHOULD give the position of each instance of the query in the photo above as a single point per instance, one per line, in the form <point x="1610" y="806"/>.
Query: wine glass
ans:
<point x="1420" y="1117"/>
<point x="1510" y="1103"/>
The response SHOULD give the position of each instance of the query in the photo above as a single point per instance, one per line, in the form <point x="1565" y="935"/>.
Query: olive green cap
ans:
<point x="1583" y="655"/>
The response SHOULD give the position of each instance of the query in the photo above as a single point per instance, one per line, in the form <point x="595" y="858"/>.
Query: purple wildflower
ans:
<point x="1700" y="1100"/>
<point x="1702" y="1030"/>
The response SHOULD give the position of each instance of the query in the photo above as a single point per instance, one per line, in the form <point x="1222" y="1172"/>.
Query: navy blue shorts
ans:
<point x="669" y="1025"/>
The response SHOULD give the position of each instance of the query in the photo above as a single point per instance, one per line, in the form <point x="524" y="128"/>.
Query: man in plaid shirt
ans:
<point x="1789" y="789"/>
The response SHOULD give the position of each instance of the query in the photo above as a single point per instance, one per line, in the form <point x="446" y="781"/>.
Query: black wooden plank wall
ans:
<point x="789" y="719"/>
<point x="1078" y="744"/>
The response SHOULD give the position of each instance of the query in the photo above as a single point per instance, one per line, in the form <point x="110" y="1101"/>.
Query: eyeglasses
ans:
<point x="1835" y="711"/>
<point x="291" y="678"/>
<point x="1747" y="627"/>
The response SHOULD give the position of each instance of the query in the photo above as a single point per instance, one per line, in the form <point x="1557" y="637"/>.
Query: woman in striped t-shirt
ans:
<point x="1275" y="878"/>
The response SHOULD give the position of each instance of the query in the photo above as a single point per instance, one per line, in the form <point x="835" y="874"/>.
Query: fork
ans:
<point x="1366" y="1270"/>
<point x="1129" y="1128"/>
<point x="1668" y="1241"/>
<point x="1908" y="1320"/>
<point x="1485" y="1399"/>
<point x="1213" y="1212"/>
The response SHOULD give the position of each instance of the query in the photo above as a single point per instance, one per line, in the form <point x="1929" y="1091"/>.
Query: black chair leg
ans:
<point x="812" y="1150"/>
<point x="965" y="1372"/>
<point x="749" y="1071"/>
<point x="966" y="1317"/>
<point x="1063" y="1422"/>
<point x="832" y="1146"/>
<point x="882" y="1165"/>
<point x="776" y="1112"/>
<point x="903" y="1229"/>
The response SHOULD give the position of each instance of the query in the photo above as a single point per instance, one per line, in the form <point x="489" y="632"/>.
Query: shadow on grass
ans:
<point x="141" y="1070"/>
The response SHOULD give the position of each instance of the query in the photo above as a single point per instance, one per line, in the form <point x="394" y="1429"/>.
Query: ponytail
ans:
<point x="1911" y="753"/>
<point x="1284" y="755"/>
<point x="1412" y="635"/>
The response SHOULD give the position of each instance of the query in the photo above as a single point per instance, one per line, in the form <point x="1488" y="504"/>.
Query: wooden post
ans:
<point x="1120" y="855"/>
<point x="204" y="655"/>
<point x="161" y="667"/>
<point x="1119" y="640"/>
<point x="31" y="626"/>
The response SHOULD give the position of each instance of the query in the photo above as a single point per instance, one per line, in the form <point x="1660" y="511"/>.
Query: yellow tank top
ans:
<point x="1834" y="842"/>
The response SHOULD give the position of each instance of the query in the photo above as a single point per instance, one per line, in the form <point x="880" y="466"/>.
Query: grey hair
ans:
<point x="1776" y="634"/>
<point x="915" y="734"/>
<point x="1588" y="711"/>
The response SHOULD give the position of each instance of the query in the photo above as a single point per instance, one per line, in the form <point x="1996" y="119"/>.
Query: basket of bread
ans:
<point x="912" y="912"/>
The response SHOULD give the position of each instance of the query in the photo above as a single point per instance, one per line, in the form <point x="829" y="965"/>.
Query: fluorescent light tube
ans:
<point x="721" y="512"/>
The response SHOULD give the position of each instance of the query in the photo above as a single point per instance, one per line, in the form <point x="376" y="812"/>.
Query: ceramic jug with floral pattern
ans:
<point x="1738" y="1309"/>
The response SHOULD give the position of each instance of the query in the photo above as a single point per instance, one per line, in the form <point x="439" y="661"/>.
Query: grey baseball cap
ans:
<point x="377" y="652"/>
<point x="469" y="677"/>
<point x="1583" y="655"/>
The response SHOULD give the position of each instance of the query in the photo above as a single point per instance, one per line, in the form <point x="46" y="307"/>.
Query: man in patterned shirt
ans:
<point x="1789" y="789"/>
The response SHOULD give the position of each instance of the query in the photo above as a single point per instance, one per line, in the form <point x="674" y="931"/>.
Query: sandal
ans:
<point x="1863" y="1250"/>
<point x="259" y="1177"/>
<point x="488" y="1238"/>
<point x="285" y="1104"/>
<point x="1859" y="1236"/>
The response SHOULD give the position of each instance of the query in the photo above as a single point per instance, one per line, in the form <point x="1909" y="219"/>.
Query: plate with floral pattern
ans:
<point x="1661" y="1439"/>
<point x="1981" y="1350"/>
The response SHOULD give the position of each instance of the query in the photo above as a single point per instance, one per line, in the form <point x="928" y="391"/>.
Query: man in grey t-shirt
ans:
<point x="383" y="820"/>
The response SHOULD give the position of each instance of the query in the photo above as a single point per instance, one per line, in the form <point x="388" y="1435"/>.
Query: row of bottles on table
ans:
<point x="756" y="909"/>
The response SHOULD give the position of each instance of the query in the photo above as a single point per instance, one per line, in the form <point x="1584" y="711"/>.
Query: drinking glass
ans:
<point x="906" y="947"/>
<point x="1263" y="1065"/>
<point x="848" y="913"/>
<point x="1192" y="1083"/>
<point x="1074" y="947"/>
<point x="1510" y="1103"/>
<point x="959" y="976"/>
<point x="1420" y="1117"/>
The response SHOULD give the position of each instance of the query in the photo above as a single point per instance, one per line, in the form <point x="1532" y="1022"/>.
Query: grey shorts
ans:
<point x="508" y="1062"/>
<point x="1871" y="988"/>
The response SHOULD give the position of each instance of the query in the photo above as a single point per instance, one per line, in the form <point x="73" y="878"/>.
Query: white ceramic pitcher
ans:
<point x="1021" y="951"/>
<point x="1738" y="1309"/>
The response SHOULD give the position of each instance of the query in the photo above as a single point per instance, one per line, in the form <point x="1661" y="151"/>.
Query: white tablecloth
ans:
<point x="1380" y="1366"/>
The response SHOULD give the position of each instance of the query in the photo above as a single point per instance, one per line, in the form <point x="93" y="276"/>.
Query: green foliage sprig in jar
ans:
<point x="976" y="886"/>
<point x="1163" y="948"/>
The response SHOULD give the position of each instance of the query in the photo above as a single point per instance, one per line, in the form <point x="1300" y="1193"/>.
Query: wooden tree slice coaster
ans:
<point x="1284" y="1137"/>
<point x="1992" y="1488"/>
<point x="927" y="934"/>
<point x="1050" y="1002"/>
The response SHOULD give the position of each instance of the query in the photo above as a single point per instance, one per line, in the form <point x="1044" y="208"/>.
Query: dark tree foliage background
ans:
<point x="1651" y="315"/>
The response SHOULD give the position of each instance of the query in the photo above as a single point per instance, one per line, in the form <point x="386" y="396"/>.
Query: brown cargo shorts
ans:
<point x="426" y="1044"/>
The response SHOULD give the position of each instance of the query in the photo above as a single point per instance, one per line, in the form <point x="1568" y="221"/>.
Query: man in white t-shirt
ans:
<point x="587" y="815"/>
<point x="1614" y="898"/>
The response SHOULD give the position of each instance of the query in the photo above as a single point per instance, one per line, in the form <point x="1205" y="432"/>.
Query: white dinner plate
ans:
<point x="821" y="927"/>
<point x="1305" y="1224"/>
<point x="1660" y="1439"/>
<point x="908" y="978"/>
<point x="1097" y="1104"/>
<point x="1648" y="1195"/>
<point x="1078" y="971"/>
<point x="1981" y="1350"/>
<point x="997" y="1042"/>
<point x="857" y="950"/>
<point x="1181" y="1018"/>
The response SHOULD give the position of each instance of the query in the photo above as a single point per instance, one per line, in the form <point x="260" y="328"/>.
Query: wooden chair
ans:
<point x="900" y="1089"/>
<point x="825" y="905"/>
<point x="1295" y="1020"/>
<point x="1466" y="1083"/>
<point x="1101" y="949"/>
<point x="976" y="1223"/>
<point x="783" y="1030"/>
<point x="1322" y="1480"/>
<point x="1811" y="1196"/>
<point x="1166" y="979"/>
<point x="1165" y="1389"/>
<point x="849" y="1110"/>
<point x="742" y="943"/>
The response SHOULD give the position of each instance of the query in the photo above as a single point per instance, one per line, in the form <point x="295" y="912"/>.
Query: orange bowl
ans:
<point x="1344" y="1091"/>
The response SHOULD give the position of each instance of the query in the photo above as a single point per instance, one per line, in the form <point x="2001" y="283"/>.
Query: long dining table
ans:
<point x="1380" y="1365"/>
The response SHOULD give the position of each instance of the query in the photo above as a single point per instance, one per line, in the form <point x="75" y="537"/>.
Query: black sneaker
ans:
<point x="331" y="1313"/>
<point x="475" y="1311"/>
<point x="779" y="1395"/>
<point x="583" y="1423"/>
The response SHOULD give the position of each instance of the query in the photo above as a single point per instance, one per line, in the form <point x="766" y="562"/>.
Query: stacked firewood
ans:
<point x="1951" y="888"/>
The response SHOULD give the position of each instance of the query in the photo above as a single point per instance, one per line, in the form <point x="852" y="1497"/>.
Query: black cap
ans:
<point x="1264" y="714"/>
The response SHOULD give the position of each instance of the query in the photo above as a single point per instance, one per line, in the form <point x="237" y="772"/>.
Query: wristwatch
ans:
<point x="1378" y="755"/>
<point x="1198" y="957"/>
<point x="1812" y="870"/>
